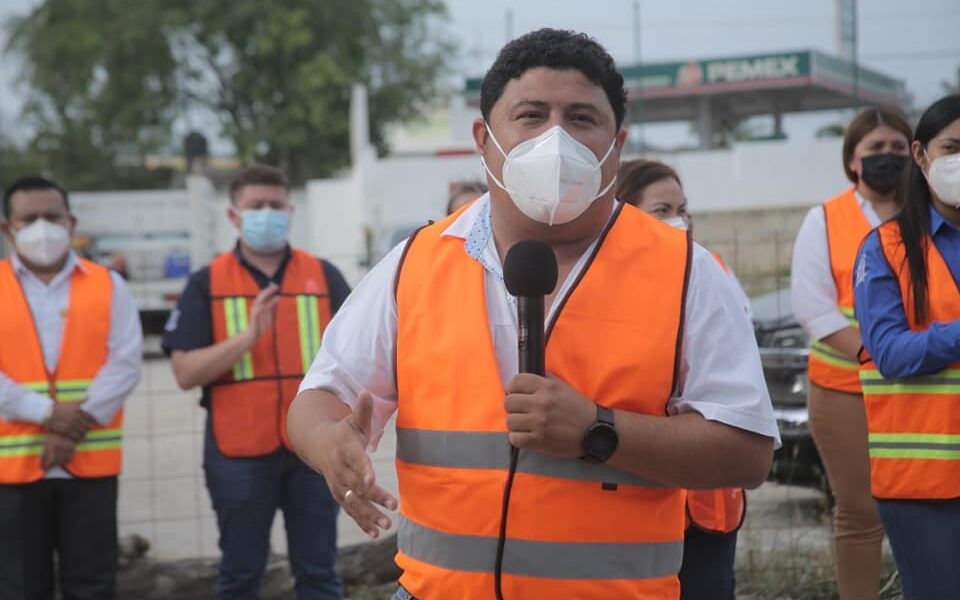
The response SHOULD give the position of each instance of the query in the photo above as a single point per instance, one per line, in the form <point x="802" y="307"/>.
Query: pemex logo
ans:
<point x="690" y="74"/>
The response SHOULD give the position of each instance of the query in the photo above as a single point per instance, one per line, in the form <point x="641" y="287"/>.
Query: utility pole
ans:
<point x="638" y="60"/>
<point x="508" y="24"/>
<point x="846" y="30"/>
<point x="636" y="32"/>
<point x="856" y="52"/>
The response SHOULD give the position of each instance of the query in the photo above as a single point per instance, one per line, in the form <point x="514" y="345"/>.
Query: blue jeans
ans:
<point x="925" y="538"/>
<point x="246" y="493"/>
<point x="402" y="594"/>
<point x="707" y="571"/>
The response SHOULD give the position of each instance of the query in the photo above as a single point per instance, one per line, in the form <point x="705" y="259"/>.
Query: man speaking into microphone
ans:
<point x="653" y="380"/>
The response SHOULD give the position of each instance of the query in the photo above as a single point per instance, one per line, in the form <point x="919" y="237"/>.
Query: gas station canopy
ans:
<point x="739" y="87"/>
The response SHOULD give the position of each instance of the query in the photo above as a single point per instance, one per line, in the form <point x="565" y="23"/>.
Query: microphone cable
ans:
<point x="504" y="511"/>
<point x="529" y="274"/>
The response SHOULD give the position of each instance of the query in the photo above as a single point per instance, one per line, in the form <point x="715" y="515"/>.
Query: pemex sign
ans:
<point x="720" y="72"/>
<point x="775" y="72"/>
<point x="748" y="69"/>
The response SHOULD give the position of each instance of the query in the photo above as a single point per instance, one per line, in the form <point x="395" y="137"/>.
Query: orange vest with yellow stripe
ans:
<point x="846" y="227"/>
<point x="723" y="510"/>
<point x="83" y="353"/>
<point x="914" y="423"/>
<point x="575" y="530"/>
<point x="249" y="403"/>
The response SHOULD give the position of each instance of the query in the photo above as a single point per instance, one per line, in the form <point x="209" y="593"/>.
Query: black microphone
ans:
<point x="530" y="273"/>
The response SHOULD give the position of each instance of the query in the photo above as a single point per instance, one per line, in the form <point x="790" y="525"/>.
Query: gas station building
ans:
<point x="731" y="89"/>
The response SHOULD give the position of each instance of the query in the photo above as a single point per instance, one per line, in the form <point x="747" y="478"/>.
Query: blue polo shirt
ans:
<point x="190" y="325"/>
<point x="897" y="351"/>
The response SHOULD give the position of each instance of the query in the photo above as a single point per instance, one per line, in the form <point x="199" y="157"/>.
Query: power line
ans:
<point x="945" y="55"/>
<point x="747" y="22"/>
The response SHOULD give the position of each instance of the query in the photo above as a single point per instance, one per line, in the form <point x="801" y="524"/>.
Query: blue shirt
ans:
<point x="191" y="323"/>
<point x="897" y="351"/>
<point x="479" y="238"/>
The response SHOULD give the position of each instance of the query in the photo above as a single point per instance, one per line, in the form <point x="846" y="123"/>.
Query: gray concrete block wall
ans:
<point x="756" y="244"/>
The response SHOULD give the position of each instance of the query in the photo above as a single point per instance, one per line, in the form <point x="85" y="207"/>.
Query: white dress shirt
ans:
<point x="813" y="292"/>
<point x="720" y="374"/>
<point x="112" y="384"/>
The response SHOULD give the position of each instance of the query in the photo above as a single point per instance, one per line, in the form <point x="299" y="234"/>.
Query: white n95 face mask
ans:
<point x="42" y="243"/>
<point x="944" y="177"/>
<point x="677" y="222"/>
<point x="551" y="178"/>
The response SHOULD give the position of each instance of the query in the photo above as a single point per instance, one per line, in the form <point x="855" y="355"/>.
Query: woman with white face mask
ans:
<point x="710" y="541"/>
<point x="655" y="188"/>
<point x="908" y="304"/>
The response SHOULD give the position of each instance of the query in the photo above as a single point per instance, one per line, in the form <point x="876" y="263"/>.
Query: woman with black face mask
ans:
<point x="908" y="302"/>
<point x="875" y="149"/>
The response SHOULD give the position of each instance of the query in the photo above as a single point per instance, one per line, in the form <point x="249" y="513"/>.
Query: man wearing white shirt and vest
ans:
<point x="654" y="380"/>
<point x="70" y="356"/>
<point x="246" y="328"/>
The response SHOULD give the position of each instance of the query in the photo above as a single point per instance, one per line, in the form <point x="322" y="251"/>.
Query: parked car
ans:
<point x="784" y="348"/>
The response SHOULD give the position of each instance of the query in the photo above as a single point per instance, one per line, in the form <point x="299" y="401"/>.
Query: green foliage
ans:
<point x="831" y="130"/>
<point x="15" y="162"/>
<point x="108" y="77"/>
<point x="102" y="82"/>
<point x="282" y="78"/>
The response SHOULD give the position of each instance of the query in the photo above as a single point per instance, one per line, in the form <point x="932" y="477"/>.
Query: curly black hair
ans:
<point x="556" y="49"/>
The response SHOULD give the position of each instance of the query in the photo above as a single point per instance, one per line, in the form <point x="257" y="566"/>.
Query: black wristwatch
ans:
<point x="601" y="439"/>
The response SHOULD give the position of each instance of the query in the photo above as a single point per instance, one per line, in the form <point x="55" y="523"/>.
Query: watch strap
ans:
<point x="604" y="415"/>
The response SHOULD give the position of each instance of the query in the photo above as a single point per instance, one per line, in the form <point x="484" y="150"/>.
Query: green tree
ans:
<point x="109" y="77"/>
<point x="280" y="79"/>
<point x="102" y="79"/>
<point x="831" y="130"/>
<point x="15" y="161"/>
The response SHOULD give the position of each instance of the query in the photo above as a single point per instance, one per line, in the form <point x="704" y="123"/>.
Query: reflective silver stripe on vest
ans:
<point x="552" y="560"/>
<point x="491" y="450"/>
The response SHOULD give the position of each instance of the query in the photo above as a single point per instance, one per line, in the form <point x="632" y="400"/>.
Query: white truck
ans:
<point x="161" y="235"/>
<point x="153" y="237"/>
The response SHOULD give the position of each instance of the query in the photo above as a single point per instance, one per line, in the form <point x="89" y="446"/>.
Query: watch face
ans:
<point x="602" y="441"/>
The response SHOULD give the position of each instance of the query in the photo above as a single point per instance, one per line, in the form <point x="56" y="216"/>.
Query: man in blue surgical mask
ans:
<point x="245" y="330"/>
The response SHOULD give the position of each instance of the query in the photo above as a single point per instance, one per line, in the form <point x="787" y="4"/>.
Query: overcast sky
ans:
<point x="915" y="41"/>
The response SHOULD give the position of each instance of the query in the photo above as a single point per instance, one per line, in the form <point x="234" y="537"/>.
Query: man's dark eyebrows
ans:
<point x="584" y="106"/>
<point x="531" y="104"/>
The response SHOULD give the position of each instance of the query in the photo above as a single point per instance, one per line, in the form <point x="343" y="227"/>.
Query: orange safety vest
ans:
<point x="914" y="423"/>
<point x="249" y="403"/>
<point x="83" y="352"/>
<point x="846" y="227"/>
<point x="575" y="529"/>
<point x="719" y="259"/>
<point x="719" y="511"/>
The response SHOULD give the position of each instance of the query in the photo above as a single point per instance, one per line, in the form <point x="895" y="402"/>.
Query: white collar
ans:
<point x="72" y="263"/>
<point x="462" y="225"/>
